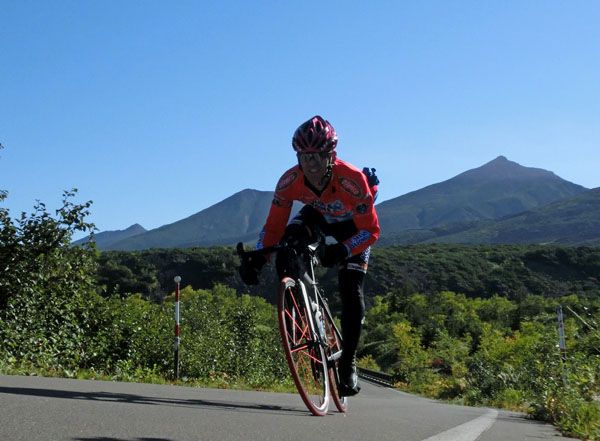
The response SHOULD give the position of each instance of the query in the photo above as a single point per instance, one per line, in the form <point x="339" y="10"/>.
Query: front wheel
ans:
<point x="304" y="353"/>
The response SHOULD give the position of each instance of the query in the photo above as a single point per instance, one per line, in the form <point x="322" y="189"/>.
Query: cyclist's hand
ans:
<point x="250" y="268"/>
<point x="334" y="254"/>
<point x="296" y="236"/>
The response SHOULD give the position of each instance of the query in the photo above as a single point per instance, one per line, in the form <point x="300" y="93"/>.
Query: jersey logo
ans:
<point x="331" y="207"/>
<point x="351" y="187"/>
<point x="362" y="267"/>
<point x="287" y="180"/>
<point x="358" y="239"/>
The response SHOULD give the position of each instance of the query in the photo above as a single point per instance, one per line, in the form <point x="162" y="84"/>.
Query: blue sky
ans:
<point x="156" y="110"/>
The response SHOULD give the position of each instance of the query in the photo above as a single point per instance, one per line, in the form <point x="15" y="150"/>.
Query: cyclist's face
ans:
<point x="314" y="165"/>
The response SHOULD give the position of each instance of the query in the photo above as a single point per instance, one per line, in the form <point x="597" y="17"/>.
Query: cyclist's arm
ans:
<point x="367" y="224"/>
<point x="281" y="207"/>
<point x="274" y="227"/>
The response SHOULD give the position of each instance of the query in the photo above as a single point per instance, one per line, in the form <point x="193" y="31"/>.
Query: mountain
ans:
<point x="106" y="238"/>
<point x="240" y="215"/>
<point x="494" y="190"/>
<point x="238" y="218"/>
<point x="445" y="211"/>
<point x="570" y="221"/>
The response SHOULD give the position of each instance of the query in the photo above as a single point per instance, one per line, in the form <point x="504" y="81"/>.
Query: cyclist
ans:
<point x="339" y="202"/>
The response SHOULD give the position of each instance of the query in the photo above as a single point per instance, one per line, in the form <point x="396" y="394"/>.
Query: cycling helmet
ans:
<point x="315" y="136"/>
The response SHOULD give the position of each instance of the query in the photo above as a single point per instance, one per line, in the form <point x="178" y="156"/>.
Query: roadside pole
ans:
<point x="177" y="339"/>
<point x="561" y="344"/>
<point x="561" y="334"/>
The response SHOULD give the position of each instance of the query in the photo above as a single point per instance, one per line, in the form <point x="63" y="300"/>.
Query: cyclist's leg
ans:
<point x="351" y="280"/>
<point x="298" y="231"/>
<point x="334" y="345"/>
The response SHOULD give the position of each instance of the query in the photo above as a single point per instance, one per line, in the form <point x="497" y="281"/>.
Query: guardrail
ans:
<point x="377" y="377"/>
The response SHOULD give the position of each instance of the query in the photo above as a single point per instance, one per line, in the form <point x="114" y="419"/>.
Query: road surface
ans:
<point x="55" y="409"/>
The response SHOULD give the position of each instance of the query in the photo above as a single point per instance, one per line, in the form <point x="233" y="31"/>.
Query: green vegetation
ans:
<point x="228" y="341"/>
<point x="476" y="325"/>
<point x="151" y="272"/>
<point x="493" y="352"/>
<point x="47" y="288"/>
<point x="482" y="271"/>
<point x="54" y="320"/>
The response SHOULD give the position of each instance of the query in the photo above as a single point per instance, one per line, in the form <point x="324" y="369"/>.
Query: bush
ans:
<point x="224" y="336"/>
<point x="492" y="352"/>
<point x="53" y="320"/>
<point x="47" y="292"/>
<point x="569" y="397"/>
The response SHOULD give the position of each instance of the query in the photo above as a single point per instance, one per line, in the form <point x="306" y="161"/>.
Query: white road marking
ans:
<point x="468" y="431"/>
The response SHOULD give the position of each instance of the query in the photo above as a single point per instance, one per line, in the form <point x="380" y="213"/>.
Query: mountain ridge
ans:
<point x="496" y="189"/>
<point x="570" y="221"/>
<point x="105" y="238"/>
<point x="206" y="227"/>
<point x="493" y="191"/>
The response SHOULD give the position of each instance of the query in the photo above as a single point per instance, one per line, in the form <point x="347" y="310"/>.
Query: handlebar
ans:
<point x="311" y="248"/>
<point x="243" y="253"/>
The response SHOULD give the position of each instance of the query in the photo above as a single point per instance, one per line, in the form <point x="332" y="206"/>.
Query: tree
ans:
<point x="46" y="285"/>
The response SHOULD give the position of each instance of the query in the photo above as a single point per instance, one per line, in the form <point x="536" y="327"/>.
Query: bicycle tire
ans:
<point x="304" y="353"/>
<point x="334" y="344"/>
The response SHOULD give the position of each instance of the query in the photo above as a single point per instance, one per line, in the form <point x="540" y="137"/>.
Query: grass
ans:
<point x="142" y="375"/>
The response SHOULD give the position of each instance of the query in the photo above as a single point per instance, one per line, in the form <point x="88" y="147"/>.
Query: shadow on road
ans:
<point x="138" y="399"/>
<point x="102" y="438"/>
<point x="519" y="417"/>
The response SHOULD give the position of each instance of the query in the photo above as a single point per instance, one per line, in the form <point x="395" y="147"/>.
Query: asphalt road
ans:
<point x="35" y="408"/>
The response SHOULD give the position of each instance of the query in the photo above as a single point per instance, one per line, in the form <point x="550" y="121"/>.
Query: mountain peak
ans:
<point x="105" y="238"/>
<point x="135" y="227"/>
<point x="499" y="160"/>
<point x="502" y="168"/>
<point x="496" y="189"/>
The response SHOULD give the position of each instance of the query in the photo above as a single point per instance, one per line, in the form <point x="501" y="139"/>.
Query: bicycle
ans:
<point x="312" y="342"/>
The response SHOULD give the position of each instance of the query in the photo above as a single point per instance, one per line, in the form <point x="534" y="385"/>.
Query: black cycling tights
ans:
<point x="353" y="308"/>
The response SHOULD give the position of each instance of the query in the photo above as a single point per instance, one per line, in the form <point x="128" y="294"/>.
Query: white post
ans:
<point x="561" y="334"/>
<point x="177" y="339"/>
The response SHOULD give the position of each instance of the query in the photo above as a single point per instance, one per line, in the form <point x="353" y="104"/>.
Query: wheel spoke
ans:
<point x="295" y="323"/>
<point x="298" y="348"/>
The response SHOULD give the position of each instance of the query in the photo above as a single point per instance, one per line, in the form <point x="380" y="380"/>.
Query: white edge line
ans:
<point x="469" y="431"/>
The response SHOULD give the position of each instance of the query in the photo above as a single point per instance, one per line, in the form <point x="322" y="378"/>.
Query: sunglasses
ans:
<point x="320" y="156"/>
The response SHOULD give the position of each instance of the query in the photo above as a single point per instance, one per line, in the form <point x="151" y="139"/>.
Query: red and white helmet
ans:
<point x="315" y="136"/>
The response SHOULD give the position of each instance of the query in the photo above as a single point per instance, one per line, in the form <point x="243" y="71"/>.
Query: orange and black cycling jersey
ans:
<point x="347" y="197"/>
